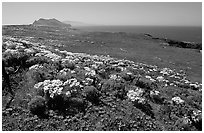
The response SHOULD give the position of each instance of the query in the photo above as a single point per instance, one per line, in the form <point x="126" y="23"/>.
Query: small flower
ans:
<point x="154" y="92"/>
<point x="136" y="95"/>
<point x="89" y="72"/>
<point x="113" y="76"/>
<point x="196" y="114"/>
<point x="68" y="93"/>
<point x="38" y="85"/>
<point x="177" y="100"/>
<point x="160" y="78"/>
<point x="35" y="67"/>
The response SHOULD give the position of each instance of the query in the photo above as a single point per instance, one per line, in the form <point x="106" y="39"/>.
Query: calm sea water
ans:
<point x="192" y="34"/>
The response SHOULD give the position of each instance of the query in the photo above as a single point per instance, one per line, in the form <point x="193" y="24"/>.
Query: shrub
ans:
<point x="68" y="64"/>
<point x="37" y="106"/>
<point x="145" y="83"/>
<point x="37" y="60"/>
<point x="76" y="103"/>
<point x="91" y="94"/>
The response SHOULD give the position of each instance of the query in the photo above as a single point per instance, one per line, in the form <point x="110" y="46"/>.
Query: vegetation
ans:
<point x="47" y="88"/>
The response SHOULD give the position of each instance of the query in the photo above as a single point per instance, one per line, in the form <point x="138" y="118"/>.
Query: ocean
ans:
<point x="190" y="34"/>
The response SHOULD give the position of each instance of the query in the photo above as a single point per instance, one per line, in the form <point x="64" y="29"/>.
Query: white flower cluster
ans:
<point x="29" y="51"/>
<point x="13" y="45"/>
<point x="177" y="100"/>
<point x="160" y="78"/>
<point x="195" y="85"/>
<point x="64" y="71"/>
<point x="9" y="45"/>
<point x="154" y="93"/>
<point x="115" y="77"/>
<point x="89" y="72"/>
<point x="11" y="51"/>
<point x="88" y="81"/>
<point x="136" y="95"/>
<point x="196" y="115"/>
<point x="72" y="82"/>
<point x="166" y="71"/>
<point x="54" y="87"/>
<point x="186" y="120"/>
<point x="35" y="67"/>
<point x="150" y="78"/>
<point x="53" y="56"/>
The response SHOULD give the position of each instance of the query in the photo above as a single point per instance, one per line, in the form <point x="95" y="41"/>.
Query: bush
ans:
<point x="145" y="83"/>
<point x="37" y="106"/>
<point x="91" y="94"/>
<point x="68" y="64"/>
<point x="76" y="103"/>
<point x="37" y="60"/>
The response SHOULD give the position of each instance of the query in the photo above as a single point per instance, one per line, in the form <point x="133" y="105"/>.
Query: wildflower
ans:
<point x="177" y="100"/>
<point x="72" y="82"/>
<point x="11" y="51"/>
<point x="148" y="77"/>
<point x="113" y="76"/>
<point x="89" y="72"/>
<point x="35" y="67"/>
<point x="53" y="56"/>
<point x="136" y="94"/>
<point x="68" y="93"/>
<point x="94" y="66"/>
<point x="160" y="78"/>
<point x="29" y="51"/>
<point x="196" y="115"/>
<point x="166" y="71"/>
<point x="38" y="85"/>
<point x="54" y="87"/>
<point x="88" y="81"/>
<point x="195" y="86"/>
<point x="154" y="92"/>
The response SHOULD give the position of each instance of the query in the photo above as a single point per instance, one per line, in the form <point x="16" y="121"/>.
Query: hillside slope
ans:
<point x="66" y="80"/>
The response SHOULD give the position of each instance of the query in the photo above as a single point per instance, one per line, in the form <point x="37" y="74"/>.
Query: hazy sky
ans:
<point x="119" y="13"/>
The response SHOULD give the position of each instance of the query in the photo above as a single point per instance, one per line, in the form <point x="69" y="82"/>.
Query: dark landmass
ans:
<point x="51" y="23"/>
<point x="66" y="79"/>
<point x="77" y="24"/>
<point x="176" y="43"/>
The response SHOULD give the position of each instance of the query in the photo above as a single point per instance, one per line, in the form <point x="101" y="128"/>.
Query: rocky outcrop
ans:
<point x="176" y="43"/>
<point x="51" y="23"/>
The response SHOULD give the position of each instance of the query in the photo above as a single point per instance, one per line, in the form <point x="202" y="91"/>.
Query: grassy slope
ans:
<point x="137" y="48"/>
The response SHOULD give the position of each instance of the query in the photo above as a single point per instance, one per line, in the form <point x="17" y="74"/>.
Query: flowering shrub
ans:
<point x="196" y="116"/>
<point x="115" y="77"/>
<point x="67" y="63"/>
<point x="89" y="71"/>
<point x="177" y="100"/>
<point x="64" y="74"/>
<point x="35" y="67"/>
<point x="136" y="95"/>
<point x="53" y="87"/>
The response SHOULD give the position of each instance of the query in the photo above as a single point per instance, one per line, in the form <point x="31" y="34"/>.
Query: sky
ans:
<point x="106" y="13"/>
